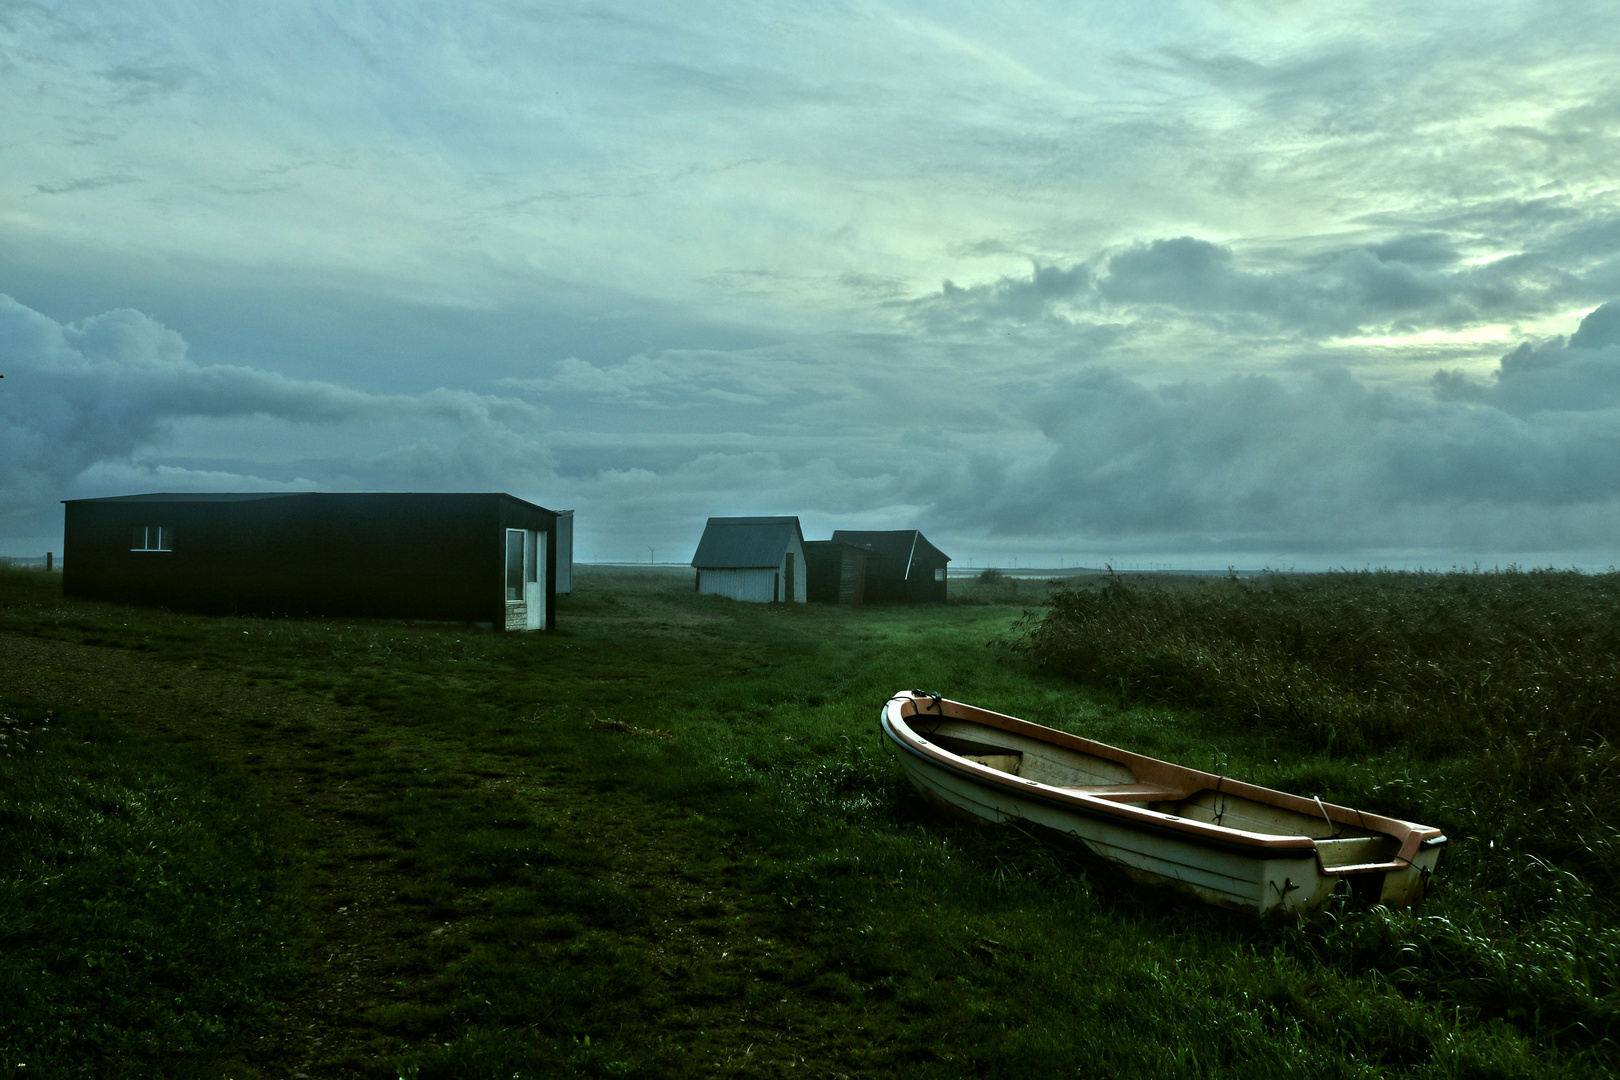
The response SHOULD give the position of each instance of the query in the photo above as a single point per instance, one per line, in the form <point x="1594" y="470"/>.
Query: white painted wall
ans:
<point x="755" y="586"/>
<point x="752" y="586"/>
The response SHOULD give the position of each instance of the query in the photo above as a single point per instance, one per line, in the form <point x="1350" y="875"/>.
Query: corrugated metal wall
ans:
<point x="757" y="586"/>
<point x="753" y="586"/>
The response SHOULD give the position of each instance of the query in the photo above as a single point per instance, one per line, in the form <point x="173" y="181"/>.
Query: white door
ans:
<point x="534" y="593"/>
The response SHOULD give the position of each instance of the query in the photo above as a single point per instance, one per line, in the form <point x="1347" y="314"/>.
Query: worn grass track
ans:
<point x="663" y="842"/>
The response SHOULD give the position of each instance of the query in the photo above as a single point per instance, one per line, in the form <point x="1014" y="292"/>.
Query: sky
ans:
<point x="1298" y="285"/>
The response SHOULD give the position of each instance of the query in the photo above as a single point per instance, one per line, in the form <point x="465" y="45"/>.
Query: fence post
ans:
<point x="49" y="556"/>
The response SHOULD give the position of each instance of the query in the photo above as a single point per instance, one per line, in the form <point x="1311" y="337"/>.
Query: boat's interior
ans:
<point x="1340" y="843"/>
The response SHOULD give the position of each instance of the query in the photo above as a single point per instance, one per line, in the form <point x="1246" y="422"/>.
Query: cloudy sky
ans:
<point x="1200" y="284"/>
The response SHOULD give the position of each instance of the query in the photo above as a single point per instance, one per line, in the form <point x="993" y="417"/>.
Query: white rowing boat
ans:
<point x="1233" y="844"/>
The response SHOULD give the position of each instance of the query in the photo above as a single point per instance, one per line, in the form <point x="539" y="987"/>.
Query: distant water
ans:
<point x="967" y="573"/>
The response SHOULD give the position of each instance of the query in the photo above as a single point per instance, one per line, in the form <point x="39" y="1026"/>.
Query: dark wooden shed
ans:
<point x="477" y="557"/>
<point x="911" y="570"/>
<point x="836" y="572"/>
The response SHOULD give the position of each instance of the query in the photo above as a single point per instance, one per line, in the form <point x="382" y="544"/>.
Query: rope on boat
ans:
<point x="915" y="694"/>
<point x="1333" y="831"/>
<point x="916" y="710"/>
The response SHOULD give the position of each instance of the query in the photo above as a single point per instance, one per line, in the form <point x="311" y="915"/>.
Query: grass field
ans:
<point x="664" y="841"/>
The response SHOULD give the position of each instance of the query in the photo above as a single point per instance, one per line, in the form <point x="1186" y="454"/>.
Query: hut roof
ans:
<point x="828" y="545"/>
<point x="897" y="546"/>
<point x="746" y="542"/>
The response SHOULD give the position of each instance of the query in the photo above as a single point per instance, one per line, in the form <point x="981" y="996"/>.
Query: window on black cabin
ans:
<point x="152" y="538"/>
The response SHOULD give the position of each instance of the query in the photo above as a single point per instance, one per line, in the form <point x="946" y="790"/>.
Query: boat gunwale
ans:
<point x="1410" y="835"/>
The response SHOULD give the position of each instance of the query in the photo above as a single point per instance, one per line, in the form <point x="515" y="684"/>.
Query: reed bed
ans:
<point x="1522" y="665"/>
<point x="1485" y="703"/>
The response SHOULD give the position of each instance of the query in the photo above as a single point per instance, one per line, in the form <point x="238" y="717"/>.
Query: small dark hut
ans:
<point x="910" y="570"/>
<point x="483" y="558"/>
<point x="835" y="572"/>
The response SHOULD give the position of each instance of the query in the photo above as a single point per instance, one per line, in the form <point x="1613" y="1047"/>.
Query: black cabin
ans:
<point x="836" y="572"/>
<point x="910" y="570"/>
<point x="483" y="558"/>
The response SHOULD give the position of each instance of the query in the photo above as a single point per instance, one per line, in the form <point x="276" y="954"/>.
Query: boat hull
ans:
<point x="1268" y="876"/>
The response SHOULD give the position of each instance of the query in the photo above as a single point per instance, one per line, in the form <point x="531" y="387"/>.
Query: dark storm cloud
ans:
<point x="1408" y="282"/>
<point x="1319" y="463"/>
<point x="1553" y="253"/>
<point x="106" y="390"/>
<point x="1047" y="289"/>
<point x="1340" y="293"/>
<point x="1578" y="375"/>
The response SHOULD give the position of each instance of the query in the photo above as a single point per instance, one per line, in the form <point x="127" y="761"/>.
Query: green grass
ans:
<point x="664" y="841"/>
<point x="142" y="920"/>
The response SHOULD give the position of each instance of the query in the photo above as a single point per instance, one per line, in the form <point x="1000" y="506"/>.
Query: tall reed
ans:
<point x="1522" y="666"/>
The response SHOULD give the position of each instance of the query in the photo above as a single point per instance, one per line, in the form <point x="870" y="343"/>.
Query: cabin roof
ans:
<point x="746" y="543"/>
<point x="192" y="496"/>
<point x="323" y="496"/>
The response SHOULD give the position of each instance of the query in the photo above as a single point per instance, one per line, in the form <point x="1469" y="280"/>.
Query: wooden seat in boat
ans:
<point x="1355" y="850"/>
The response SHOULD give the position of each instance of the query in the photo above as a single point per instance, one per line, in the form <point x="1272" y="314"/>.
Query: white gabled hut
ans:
<point x="756" y="559"/>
